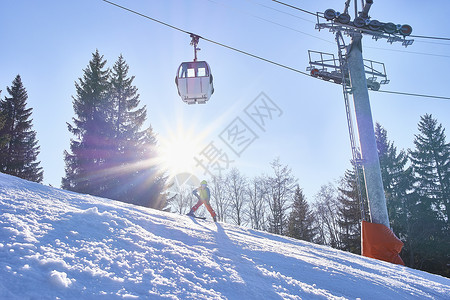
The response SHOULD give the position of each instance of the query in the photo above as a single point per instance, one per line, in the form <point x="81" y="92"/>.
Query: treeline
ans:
<point x="417" y="188"/>
<point x="111" y="155"/>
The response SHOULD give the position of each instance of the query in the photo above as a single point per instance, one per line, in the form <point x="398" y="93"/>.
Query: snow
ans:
<point x="56" y="244"/>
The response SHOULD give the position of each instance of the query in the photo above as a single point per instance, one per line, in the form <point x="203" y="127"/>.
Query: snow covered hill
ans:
<point x="56" y="244"/>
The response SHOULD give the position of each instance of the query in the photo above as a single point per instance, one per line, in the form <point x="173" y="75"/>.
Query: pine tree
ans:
<point x="397" y="182"/>
<point x="431" y="165"/>
<point x="136" y="177"/>
<point x="146" y="184"/>
<point x="4" y="138"/>
<point x="349" y="214"/>
<point x="85" y="165"/>
<point x="112" y="156"/>
<point x="301" y="219"/>
<point x="431" y="161"/>
<point x="19" y="148"/>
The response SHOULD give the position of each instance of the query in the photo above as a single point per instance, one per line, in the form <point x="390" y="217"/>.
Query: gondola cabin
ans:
<point x="195" y="82"/>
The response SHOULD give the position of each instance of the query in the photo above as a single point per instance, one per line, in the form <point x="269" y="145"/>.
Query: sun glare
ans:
<point x="183" y="141"/>
<point x="178" y="149"/>
<point x="177" y="154"/>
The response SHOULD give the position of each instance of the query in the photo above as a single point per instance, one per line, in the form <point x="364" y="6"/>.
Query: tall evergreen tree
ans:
<point x="397" y="182"/>
<point x="127" y="117"/>
<point x="431" y="162"/>
<point x="137" y="178"/>
<point x="301" y="219"/>
<point x="18" y="145"/>
<point x="85" y="164"/>
<point x="431" y="165"/>
<point x="349" y="214"/>
<point x="3" y="138"/>
<point x="145" y="180"/>
<point x="112" y="156"/>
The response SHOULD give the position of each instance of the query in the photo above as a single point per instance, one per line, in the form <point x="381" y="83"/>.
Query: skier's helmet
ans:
<point x="203" y="182"/>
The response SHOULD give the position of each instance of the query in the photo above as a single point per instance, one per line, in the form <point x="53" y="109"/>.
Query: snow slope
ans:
<point x="56" y="244"/>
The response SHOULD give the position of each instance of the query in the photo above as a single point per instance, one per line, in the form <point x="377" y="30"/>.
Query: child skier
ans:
<point x="203" y="194"/>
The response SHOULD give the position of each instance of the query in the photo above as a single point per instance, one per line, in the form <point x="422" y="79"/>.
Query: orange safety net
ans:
<point x="380" y="242"/>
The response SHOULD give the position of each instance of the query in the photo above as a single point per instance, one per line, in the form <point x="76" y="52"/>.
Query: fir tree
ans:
<point x="112" y="156"/>
<point x="349" y="214"/>
<point x="85" y="164"/>
<point x="431" y="161"/>
<point x="431" y="165"/>
<point x="397" y="182"/>
<point x="136" y="177"/>
<point x="18" y="145"/>
<point x="146" y="183"/>
<point x="301" y="219"/>
<point x="3" y="137"/>
<point x="128" y="119"/>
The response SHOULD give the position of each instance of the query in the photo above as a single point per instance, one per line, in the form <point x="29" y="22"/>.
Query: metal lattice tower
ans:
<point x="355" y="150"/>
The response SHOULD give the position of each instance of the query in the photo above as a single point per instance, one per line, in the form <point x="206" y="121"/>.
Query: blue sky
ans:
<point x="49" y="43"/>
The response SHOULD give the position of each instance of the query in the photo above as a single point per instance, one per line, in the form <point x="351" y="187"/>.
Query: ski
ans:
<point x="193" y="216"/>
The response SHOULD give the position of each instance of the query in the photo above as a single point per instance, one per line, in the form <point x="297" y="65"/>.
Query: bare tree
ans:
<point x="219" y="198"/>
<point x="256" y="204"/>
<point x="326" y="209"/>
<point x="281" y="187"/>
<point x="182" y="199"/>
<point x="236" y="184"/>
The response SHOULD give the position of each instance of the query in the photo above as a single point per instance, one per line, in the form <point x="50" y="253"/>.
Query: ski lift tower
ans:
<point x="350" y="70"/>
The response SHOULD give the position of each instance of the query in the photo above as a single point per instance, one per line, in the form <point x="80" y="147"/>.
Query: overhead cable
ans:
<point x="295" y="7"/>
<point x="315" y="14"/>
<point x="430" y="37"/>
<point x="281" y="11"/>
<point x="147" y="17"/>
<point x="415" y="95"/>
<point x="275" y="23"/>
<point x="253" y="55"/>
<point x="209" y="40"/>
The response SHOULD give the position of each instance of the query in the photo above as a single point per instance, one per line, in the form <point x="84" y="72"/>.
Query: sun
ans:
<point x="177" y="154"/>
<point x="182" y="141"/>
<point x="177" y="150"/>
